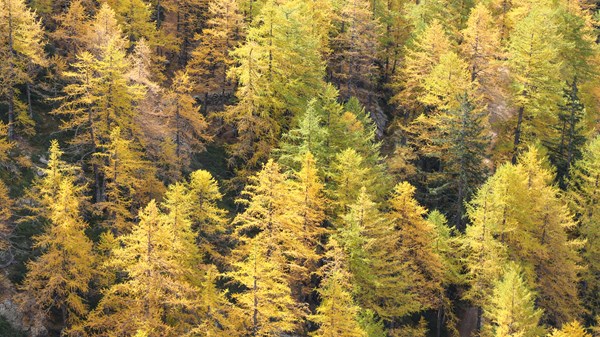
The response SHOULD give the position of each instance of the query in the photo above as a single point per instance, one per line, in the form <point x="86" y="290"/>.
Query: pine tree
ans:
<point x="21" y="35"/>
<point x="337" y="314"/>
<point x="584" y="198"/>
<point x="60" y="277"/>
<point x="457" y="142"/>
<point x="211" y="59"/>
<point x="512" y="310"/>
<point x="567" y="150"/>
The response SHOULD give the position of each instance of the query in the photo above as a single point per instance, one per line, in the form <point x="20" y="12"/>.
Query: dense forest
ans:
<point x="326" y="168"/>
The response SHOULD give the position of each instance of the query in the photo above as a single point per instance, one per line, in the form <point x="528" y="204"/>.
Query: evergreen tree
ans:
<point x="567" y="149"/>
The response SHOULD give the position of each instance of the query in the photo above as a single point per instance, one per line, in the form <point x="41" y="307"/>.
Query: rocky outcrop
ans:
<point x="29" y="321"/>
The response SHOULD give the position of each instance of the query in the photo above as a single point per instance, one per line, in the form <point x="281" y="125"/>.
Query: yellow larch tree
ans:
<point x="60" y="277"/>
<point x="512" y="311"/>
<point x="187" y="126"/>
<point x="337" y="314"/>
<point x="211" y="60"/>
<point x="273" y="209"/>
<point x="153" y="289"/>
<point x="129" y="181"/>
<point x="209" y="220"/>
<point x="413" y="238"/>
<point x="573" y="329"/>
<point x="584" y="199"/>
<point x="421" y="58"/>
<point x="21" y="44"/>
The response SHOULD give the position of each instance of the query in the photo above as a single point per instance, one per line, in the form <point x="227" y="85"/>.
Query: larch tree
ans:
<point x="354" y="51"/>
<point x="421" y="56"/>
<point x="134" y="16"/>
<point x="60" y="277"/>
<point x="535" y="70"/>
<point x="21" y="37"/>
<point x="187" y="126"/>
<point x="308" y="137"/>
<point x="413" y="237"/>
<point x="337" y="314"/>
<point x="71" y="32"/>
<point x="153" y="289"/>
<point x="481" y="49"/>
<point x="274" y="86"/>
<point x="266" y="301"/>
<point x="573" y="329"/>
<point x="518" y="214"/>
<point x="128" y="181"/>
<point x="100" y="96"/>
<point x="447" y="81"/>
<point x="354" y="234"/>
<point x="211" y="59"/>
<point x="209" y="220"/>
<point x="512" y="310"/>
<point x="349" y="173"/>
<point x="584" y="197"/>
<point x="273" y="209"/>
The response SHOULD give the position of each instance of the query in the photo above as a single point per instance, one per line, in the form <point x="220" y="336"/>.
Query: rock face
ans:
<point x="32" y="323"/>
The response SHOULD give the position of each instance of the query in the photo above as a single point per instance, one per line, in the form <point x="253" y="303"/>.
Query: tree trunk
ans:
<point x="518" y="134"/>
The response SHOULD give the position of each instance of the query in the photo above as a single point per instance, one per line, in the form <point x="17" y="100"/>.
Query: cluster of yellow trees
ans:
<point x="370" y="168"/>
